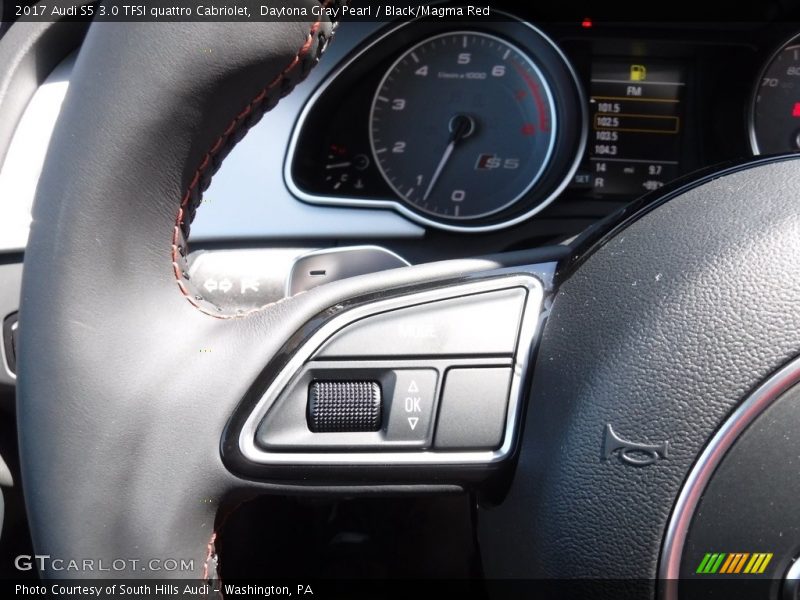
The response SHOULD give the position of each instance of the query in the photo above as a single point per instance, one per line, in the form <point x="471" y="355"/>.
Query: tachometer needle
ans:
<point x="461" y="126"/>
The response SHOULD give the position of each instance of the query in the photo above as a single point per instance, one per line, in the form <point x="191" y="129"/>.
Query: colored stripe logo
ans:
<point x="734" y="563"/>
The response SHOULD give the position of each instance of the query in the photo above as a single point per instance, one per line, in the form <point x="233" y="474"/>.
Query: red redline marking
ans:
<point x="534" y="88"/>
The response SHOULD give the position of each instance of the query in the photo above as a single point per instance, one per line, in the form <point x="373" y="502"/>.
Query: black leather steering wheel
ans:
<point x="657" y="331"/>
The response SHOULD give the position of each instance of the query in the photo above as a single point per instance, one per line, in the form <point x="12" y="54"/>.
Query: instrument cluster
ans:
<point x="471" y="126"/>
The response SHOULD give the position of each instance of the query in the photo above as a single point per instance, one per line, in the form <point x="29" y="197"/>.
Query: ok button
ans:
<point x="411" y="411"/>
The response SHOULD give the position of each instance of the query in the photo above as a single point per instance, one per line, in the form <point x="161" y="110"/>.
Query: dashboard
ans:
<point x="469" y="127"/>
<point x="473" y="126"/>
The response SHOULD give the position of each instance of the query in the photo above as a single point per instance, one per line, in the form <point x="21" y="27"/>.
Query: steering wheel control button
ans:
<point x="413" y="403"/>
<point x="344" y="406"/>
<point x="473" y="409"/>
<point x="479" y="324"/>
<point x="429" y="377"/>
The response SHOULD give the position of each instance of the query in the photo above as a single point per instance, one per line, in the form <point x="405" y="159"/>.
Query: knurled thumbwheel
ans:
<point x="344" y="406"/>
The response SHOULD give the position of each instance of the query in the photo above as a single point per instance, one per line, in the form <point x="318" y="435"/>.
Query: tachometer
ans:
<point x="463" y="125"/>
<point x="775" y="118"/>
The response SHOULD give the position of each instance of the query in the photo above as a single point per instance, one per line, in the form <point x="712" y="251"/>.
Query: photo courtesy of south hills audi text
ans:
<point x="148" y="590"/>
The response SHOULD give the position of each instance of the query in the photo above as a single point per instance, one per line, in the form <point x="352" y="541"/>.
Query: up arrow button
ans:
<point x="412" y="407"/>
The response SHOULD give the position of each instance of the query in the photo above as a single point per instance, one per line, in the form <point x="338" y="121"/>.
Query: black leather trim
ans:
<point x="661" y="332"/>
<point x="751" y="502"/>
<point x="596" y="236"/>
<point x="119" y="412"/>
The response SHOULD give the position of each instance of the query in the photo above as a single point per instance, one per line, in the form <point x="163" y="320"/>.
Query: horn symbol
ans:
<point x="632" y="453"/>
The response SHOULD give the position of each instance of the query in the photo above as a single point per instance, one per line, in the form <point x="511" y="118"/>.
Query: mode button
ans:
<point x="474" y="325"/>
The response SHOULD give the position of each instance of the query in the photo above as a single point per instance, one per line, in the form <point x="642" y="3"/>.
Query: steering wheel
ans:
<point x="660" y="409"/>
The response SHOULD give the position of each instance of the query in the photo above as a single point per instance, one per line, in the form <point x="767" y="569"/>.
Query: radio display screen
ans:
<point x="635" y="123"/>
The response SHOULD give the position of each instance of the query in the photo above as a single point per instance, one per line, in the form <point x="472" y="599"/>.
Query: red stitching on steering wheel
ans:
<point x="260" y="102"/>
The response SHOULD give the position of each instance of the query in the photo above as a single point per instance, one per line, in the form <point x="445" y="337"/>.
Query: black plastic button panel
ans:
<point x="413" y="404"/>
<point x="409" y="404"/>
<point x="449" y="364"/>
<point x="472" y="409"/>
<point x="472" y="325"/>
